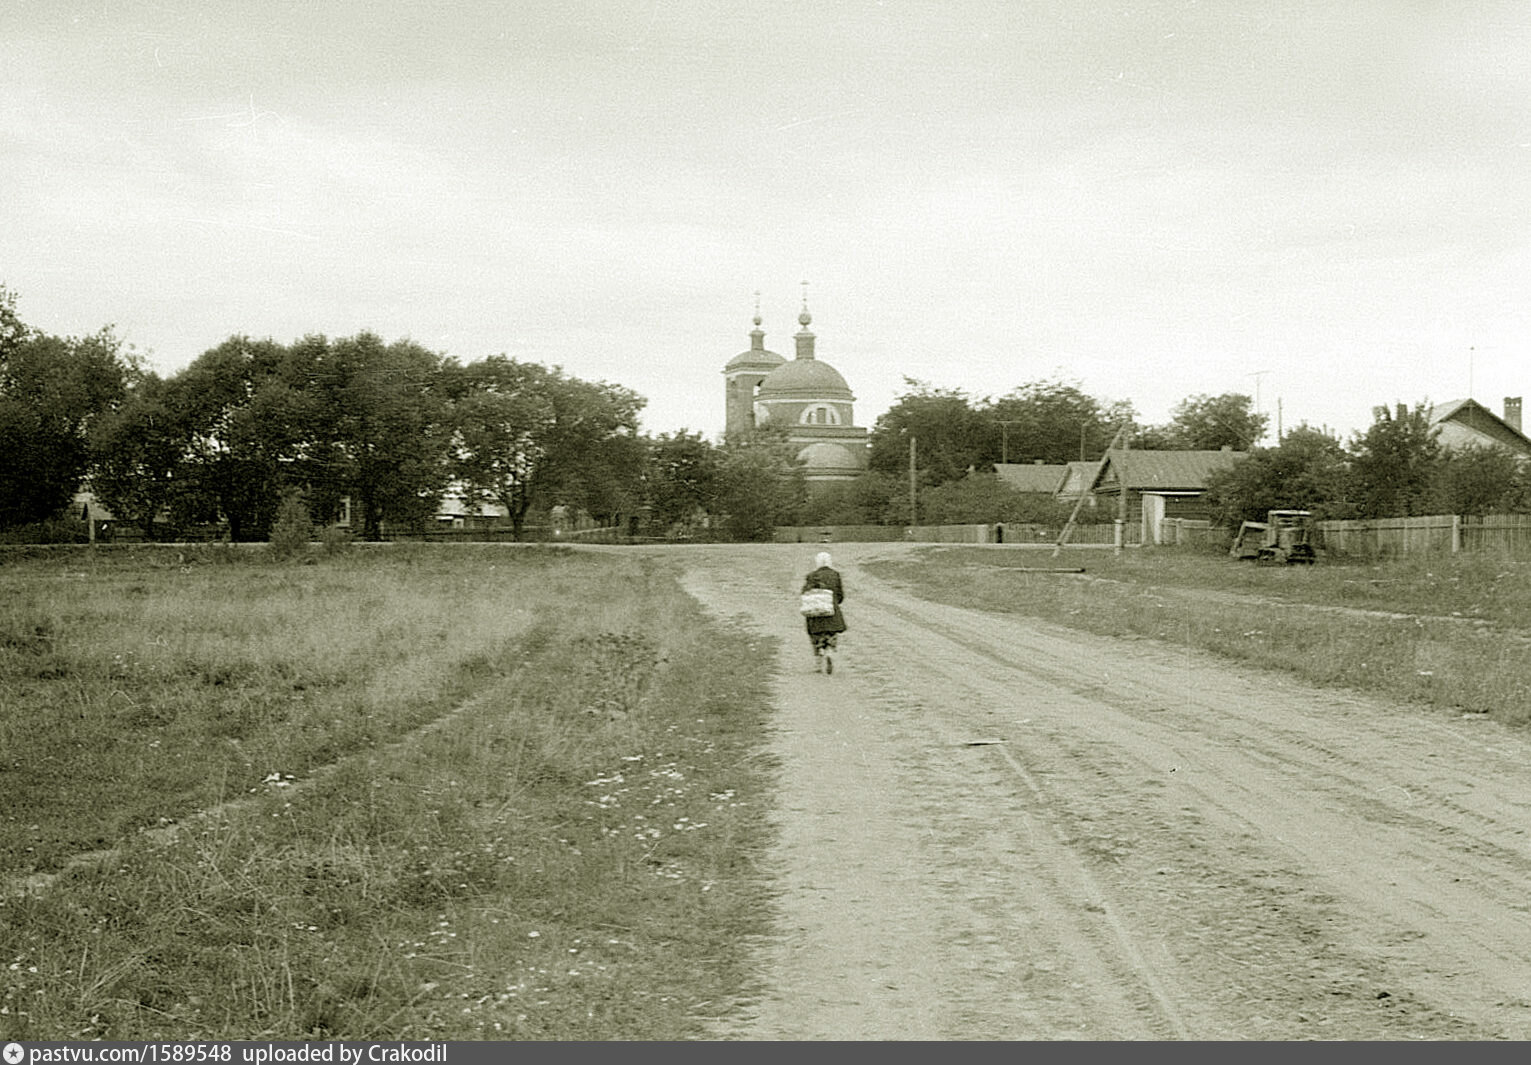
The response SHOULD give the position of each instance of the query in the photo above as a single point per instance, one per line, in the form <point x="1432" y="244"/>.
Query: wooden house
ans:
<point x="1156" y="485"/>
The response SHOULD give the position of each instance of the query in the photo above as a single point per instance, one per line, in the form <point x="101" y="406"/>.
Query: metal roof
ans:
<point x="1032" y="477"/>
<point x="1148" y="471"/>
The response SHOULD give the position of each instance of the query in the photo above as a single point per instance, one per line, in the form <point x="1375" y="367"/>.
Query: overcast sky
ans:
<point x="1326" y="204"/>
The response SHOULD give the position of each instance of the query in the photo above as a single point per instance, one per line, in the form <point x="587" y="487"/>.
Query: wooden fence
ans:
<point x="1508" y="534"/>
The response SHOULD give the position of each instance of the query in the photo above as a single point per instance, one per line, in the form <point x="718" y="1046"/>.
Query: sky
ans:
<point x="1323" y="206"/>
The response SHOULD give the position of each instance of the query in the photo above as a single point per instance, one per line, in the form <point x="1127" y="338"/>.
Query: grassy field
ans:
<point x="418" y="792"/>
<point x="1452" y="633"/>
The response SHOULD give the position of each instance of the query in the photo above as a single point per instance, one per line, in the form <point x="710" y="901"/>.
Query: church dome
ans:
<point x="826" y="457"/>
<point x="755" y="359"/>
<point x="805" y="376"/>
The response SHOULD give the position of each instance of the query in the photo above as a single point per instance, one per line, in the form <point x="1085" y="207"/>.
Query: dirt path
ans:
<point x="993" y="828"/>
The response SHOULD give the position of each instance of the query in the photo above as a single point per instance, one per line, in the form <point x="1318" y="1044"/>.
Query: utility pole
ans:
<point x="1063" y="536"/>
<point x="1121" y="482"/>
<point x="1004" y="441"/>
<point x="1257" y="375"/>
<point x="912" y="495"/>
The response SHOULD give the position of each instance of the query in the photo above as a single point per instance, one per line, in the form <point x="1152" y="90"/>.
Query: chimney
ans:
<point x="1512" y="412"/>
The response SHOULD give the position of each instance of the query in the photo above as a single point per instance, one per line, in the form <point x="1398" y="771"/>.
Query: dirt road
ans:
<point x="994" y="828"/>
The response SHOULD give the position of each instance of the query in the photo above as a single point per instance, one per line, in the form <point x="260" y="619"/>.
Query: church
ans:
<point x="805" y="395"/>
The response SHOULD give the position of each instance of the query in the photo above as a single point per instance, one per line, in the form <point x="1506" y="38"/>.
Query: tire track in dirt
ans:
<point x="993" y="930"/>
<point x="1155" y="844"/>
<point x="1356" y="796"/>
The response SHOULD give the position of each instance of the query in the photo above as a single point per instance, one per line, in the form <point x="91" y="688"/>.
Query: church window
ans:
<point x="821" y="414"/>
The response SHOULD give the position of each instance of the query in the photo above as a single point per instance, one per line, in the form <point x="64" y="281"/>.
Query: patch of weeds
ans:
<point x="452" y="883"/>
<point x="35" y="639"/>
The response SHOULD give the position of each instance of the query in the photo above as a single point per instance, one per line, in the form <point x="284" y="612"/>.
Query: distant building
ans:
<point x="1466" y="422"/>
<point x="806" y="396"/>
<point x="1038" y="477"/>
<point x="1158" y="485"/>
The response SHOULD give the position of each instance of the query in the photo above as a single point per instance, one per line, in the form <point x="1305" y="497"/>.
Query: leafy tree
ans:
<point x="138" y="466"/>
<point x="1209" y="423"/>
<point x="593" y="458"/>
<point x="502" y="419"/>
<point x="52" y="391"/>
<point x="1394" y="463"/>
<point x="291" y="530"/>
<point x="1307" y="471"/>
<point x="874" y="498"/>
<point x="529" y="436"/>
<point x="982" y="498"/>
<point x="384" y="426"/>
<point x="236" y="404"/>
<point x="1479" y="479"/>
<point x="1048" y="421"/>
<point x="760" y="484"/>
<point x="950" y="434"/>
<point x="682" y="479"/>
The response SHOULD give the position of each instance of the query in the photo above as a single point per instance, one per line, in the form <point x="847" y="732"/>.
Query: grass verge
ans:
<point x="513" y="798"/>
<point x="1446" y="632"/>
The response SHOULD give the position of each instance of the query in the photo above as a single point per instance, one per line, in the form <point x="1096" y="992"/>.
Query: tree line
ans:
<point x="394" y="428"/>
<point x="390" y="426"/>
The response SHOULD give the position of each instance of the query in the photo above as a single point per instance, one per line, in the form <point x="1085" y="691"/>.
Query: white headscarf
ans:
<point x="822" y="560"/>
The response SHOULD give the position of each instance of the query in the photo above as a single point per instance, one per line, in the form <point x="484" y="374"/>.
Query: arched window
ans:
<point x="820" y="414"/>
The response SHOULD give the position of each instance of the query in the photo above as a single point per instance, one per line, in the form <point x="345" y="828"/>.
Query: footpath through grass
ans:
<point x="1452" y="633"/>
<point x="431" y="792"/>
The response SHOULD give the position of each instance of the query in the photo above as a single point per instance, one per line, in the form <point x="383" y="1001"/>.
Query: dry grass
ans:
<point x="1447" y="633"/>
<point x="445" y="793"/>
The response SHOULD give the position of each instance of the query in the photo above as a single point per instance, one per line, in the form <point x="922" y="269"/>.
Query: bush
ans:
<point x="61" y="530"/>
<point x="290" y="531"/>
<point x="334" y="539"/>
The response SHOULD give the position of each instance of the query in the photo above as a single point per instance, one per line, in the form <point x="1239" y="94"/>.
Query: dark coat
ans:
<point x="824" y="577"/>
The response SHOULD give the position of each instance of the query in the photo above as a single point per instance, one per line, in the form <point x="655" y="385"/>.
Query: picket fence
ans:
<point x="1507" y="534"/>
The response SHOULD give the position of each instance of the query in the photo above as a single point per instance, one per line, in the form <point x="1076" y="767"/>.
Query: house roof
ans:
<point x="1150" y="471"/>
<point x="1032" y="476"/>
<point x="1079" y="478"/>
<point x="1466" y="421"/>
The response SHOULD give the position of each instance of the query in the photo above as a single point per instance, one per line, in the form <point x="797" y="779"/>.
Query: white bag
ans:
<point x="818" y="603"/>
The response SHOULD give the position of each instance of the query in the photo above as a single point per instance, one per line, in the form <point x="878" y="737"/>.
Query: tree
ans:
<point x="1394" y="463"/>
<point x="525" y="435"/>
<point x="138" y="457"/>
<point x="384" y="426"/>
<point x="681" y="481"/>
<point x="502" y="417"/>
<point x="593" y="455"/>
<point x="1479" y="479"/>
<point x="760" y="483"/>
<point x="1209" y="423"/>
<point x="982" y="498"/>
<point x="950" y="435"/>
<point x="242" y="426"/>
<point x="1307" y="471"/>
<point x="52" y="391"/>
<point x="874" y="498"/>
<point x="1047" y="421"/>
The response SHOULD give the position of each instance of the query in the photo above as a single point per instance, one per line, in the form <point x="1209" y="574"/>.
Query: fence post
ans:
<point x="1456" y="533"/>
